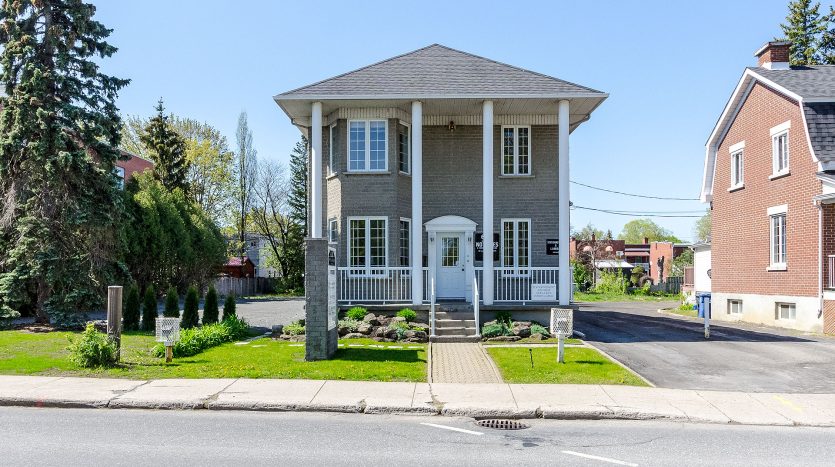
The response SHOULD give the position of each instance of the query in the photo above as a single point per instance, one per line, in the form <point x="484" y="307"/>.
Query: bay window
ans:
<point x="367" y="145"/>
<point x="367" y="245"/>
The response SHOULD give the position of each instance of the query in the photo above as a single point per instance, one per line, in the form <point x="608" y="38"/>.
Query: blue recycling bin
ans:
<point x="703" y="300"/>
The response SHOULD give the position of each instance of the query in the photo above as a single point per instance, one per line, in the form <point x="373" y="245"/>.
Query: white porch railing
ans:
<point x="514" y="285"/>
<point x="476" y="303"/>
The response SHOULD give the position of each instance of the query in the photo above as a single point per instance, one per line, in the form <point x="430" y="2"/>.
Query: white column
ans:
<point x="487" y="201"/>
<point x="416" y="257"/>
<point x="316" y="171"/>
<point x="564" y="206"/>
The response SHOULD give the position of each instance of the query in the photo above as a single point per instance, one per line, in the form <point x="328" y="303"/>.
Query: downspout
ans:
<point x="820" y="258"/>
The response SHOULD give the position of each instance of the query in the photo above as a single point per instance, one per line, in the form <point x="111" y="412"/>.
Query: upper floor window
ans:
<point x="777" y="220"/>
<point x="367" y="245"/>
<point x="516" y="150"/>
<point x="780" y="149"/>
<point x="332" y="150"/>
<point x="333" y="231"/>
<point x="736" y="169"/>
<point x="404" y="155"/>
<point x="515" y="245"/>
<point x="367" y="145"/>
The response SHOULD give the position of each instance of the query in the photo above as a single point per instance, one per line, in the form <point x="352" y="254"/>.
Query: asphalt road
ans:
<point x="136" y="437"/>
<point x="671" y="352"/>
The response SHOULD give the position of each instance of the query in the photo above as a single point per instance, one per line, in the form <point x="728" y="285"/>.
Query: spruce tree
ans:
<point x="827" y="41"/>
<point x="803" y="28"/>
<point x="167" y="149"/>
<point x="60" y="129"/>
<point x="297" y="200"/>
<point x="130" y="311"/>
<point x="149" y="310"/>
<point x="172" y="304"/>
<point x="210" y="310"/>
<point x="191" y="318"/>
<point x="229" y="307"/>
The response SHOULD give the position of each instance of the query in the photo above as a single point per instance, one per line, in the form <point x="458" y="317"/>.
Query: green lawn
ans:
<point x="45" y="354"/>
<point x="528" y="340"/>
<point x="582" y="366"/>
<point x="690" y="313"/>
<point x="599" y="297"/>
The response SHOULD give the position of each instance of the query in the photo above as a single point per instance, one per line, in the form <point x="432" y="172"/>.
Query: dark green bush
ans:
<point x="149" y="310"/>
<point x="407" y="313"/>
<point x="191" y="317"/>
<point x="195" y="340"/>
<point x="295" y="328"/>
<point x="504" y="317"/>
<point x="229" y="307"/>
<point x="130" y="310"/>
<point x="92" y="349"/>
<point x="539" y="329"/>
<point x="495" y="329"/>
<point x="357" y="313"/>
<point x="210" y="311"/>
<point x="172" y="304"/>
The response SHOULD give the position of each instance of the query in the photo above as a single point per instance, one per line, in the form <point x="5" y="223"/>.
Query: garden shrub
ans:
<point x="92" y="349"/>
<point x="191" y="317"/>
<point x="149" y="310"/>
<point x="504" y="317"/>
<point x="130" y="311"/>
<point x="229" y="307"/>
<point x="611" y="283"/>
<point x="357" y="313"/>
<point x="295" y="328"/>
<point x="351" y="324"/>
<point x="210" y="311"/>
<point x="172" y="304"/>
<point x="195" y="340"/>
<point x="499" y="328"/>
<point x="539" y="329"/>
<point x="400" y="327"/>
<point x="407" y="313"/>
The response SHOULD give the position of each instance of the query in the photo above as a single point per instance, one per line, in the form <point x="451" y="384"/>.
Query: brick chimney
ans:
<point x="774" y="55"/>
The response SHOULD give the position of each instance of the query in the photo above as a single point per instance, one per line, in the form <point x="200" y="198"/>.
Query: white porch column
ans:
<point x="416" y="255"/>
<point x="316" y="171"/>
<point x="564" y="207"/>
<point x="487" y="202"/>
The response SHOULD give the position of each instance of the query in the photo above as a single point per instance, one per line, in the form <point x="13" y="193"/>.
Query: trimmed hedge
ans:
<point x="210" y="312"/>
<point x="149" y="310"/>
<point x="196" y="340"/>
<point x="191" y="316"/>
<point x="229" y="307"/>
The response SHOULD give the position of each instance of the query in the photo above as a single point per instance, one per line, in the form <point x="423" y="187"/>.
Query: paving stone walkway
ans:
<point x="461" y="363"/>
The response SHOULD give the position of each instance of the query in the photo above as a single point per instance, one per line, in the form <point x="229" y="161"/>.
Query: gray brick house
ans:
<point x="416" y="159"/>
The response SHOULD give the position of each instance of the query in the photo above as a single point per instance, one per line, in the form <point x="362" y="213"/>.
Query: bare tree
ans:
<point x="270" y="213"/>
<point x="247" y="169"/>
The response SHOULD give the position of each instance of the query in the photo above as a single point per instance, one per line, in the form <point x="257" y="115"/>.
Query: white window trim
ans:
<point x="333" y="226"/>
<point x="515" y="270"/>
<point x="367" y="146"/>
<point x="777" y="311"/>
<point x="730" y="306"/>
<point x="409" y="238"/>
<point x="408" y="149"/>
<point x="776" y="132"/>
<point x="367" y="269"/>
<point x="516" y="151"/>
<point x="331" y="148"/>
<point x="772" y="212"/>
<point x="735" y="185"/>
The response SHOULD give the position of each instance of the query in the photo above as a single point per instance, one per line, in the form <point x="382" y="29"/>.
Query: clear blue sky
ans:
<point x="669" y="68"/>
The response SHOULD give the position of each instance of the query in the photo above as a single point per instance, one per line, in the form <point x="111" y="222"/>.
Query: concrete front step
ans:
<point x="455" y="339"/>
<point x="454" y="315"/>
<point x="455" y="331"/>
<point x="447" y="323"/>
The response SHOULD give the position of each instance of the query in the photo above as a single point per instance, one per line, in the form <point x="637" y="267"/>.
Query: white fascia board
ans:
<point x="412" y="96"/>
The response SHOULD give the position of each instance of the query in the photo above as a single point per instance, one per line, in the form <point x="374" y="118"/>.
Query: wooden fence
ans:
<point x="243" y="286"/>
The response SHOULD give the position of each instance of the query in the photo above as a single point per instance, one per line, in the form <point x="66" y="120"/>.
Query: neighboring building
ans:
<point x="629" y="255"/>
<point x="770" y="178"/>
<point x="235" y="267"/>
<point x="126" y="169"/>
<point x="701" y="268"/>
<point x="418" y="158"/>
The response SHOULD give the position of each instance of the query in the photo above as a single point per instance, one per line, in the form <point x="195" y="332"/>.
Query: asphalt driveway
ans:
<point x="671" y="352"/>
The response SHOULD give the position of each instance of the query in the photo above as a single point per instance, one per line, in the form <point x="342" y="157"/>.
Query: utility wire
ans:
<point x="632" y="214"/>
<point x="633" y="194"/>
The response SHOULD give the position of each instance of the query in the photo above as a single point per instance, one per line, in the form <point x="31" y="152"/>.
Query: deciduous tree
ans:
<point x="635" y="231"/>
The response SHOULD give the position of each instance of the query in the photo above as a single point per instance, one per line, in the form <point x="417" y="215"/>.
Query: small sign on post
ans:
<point x="168" y="332"/>
<point x="114" y="317"/>
<point x="562" y="324"/>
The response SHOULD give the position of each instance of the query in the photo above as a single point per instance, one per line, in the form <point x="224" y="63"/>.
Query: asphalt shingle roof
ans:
<point x="820" y="119"/>
<point x="809" y="82"/>
<point x="439" y="70"/>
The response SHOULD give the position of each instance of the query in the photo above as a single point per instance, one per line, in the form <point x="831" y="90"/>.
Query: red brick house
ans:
<point x="646" y="254"/>
<point x="126" y="169"/>
<point x="770" y="180"/>
<point x="237" y="268"/>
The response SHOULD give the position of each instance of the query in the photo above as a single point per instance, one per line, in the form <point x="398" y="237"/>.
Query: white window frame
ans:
<point x="367" y="160"/>
<point x="737" y="170"/>
<point x="515" y="172"/>
<point x="408" y="242"/>
<point x="331" y="150"/>
<point x="367" y="269"/>
<point x="778" y="132"/>
<point x="773" y="213"/>
<point x="333" y="230"/>
<point x="408" y="170"/>
<point x="792" y="311"/>
<point x="515" y="270"/>
<point x="738" y="307"/>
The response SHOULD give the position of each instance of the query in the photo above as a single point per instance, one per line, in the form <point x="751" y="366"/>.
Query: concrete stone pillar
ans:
<point x="320" y="315"/>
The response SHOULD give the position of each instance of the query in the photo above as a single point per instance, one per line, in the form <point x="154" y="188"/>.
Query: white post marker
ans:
<point x="168" y="332"/>
<point x="562" y="324"/>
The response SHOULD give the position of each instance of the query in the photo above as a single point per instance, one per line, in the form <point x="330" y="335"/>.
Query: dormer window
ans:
<point x="367" y="148"/>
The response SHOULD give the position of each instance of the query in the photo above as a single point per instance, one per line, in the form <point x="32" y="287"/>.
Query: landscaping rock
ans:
<point x="278" y="329"/>
<point x="371" y="319"/>
<point x="399" y="319"/>
<point x="422" y="336"/>
<point x="521" y="328"/>
<point x="391" y="334"/>
<point x="537" y="337"/>
<point x="344" y="330"/>
<point x="379" y="332"/>
<point x="409" y="334"/>
<point x="504" y="339"/>
<point x="365" y="328"/>
<point x="354" y="335"/>
<point x="419" y="326"/>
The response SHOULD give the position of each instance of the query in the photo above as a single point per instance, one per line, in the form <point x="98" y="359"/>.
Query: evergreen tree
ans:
<point x="149" y="310"/>
<point x="210" y="310"/>
<point x="191" y="318"/>
<point x="60" y="130"/>
<point x="298" y="184"/>
<point x="130" y="313"/>
<point x="827" y="41"/>
<point x="803" y="28"/>
<point x="167" y="149"/>
<point x="229" y="307"/>
<point x="172" y="304"/>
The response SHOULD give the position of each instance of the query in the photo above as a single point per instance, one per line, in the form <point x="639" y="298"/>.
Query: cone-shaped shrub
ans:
<point x="229" y="306"/>
<point x="190" y="317"/>
<point x="149" y="310"/>
<point x="130" y="310"/>
<point x="210" y="311"/>
<point x="172" y="304"/>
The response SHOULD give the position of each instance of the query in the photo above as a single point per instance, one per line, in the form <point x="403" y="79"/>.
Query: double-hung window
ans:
<point x="404" y="155"/>
<point x="333" y="232"/>
<point x="780" y="149"/>
<point x="332" y="150"/>
<point x="367" y="145"/>
<point x="777" y="221"/>
<point x="405" y="233"/>
<point x="516" y="241"/>
<point x="737" y="165"/>
<point x="785" y="311"/>
<point x="516" y="150"/>
<point x="367" y="245"/>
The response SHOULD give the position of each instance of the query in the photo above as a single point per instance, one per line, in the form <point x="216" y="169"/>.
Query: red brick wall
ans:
<point x="776" y="53"/>
<point x="828" y="238"/>
<point x="741" y="230"/>
<point x="656" y="251"/>
<point x="134" y="165"/>
<point x="829" y="316"/>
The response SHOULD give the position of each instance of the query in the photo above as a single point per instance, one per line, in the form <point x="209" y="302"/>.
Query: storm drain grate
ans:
<point x="502" y="424"/>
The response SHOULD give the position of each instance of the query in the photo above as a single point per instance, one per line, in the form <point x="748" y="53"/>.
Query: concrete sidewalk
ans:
<point x="470" y="400"/>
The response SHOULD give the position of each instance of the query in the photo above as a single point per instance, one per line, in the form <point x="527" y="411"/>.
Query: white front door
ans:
<point x="451" y="273"/>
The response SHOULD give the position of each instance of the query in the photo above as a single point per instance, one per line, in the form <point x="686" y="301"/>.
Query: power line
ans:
<point x="633" y="194"/>
<point x="633" y="214"/>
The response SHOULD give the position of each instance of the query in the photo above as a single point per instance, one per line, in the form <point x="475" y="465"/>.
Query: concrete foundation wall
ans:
<point x="761" y="309"/>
